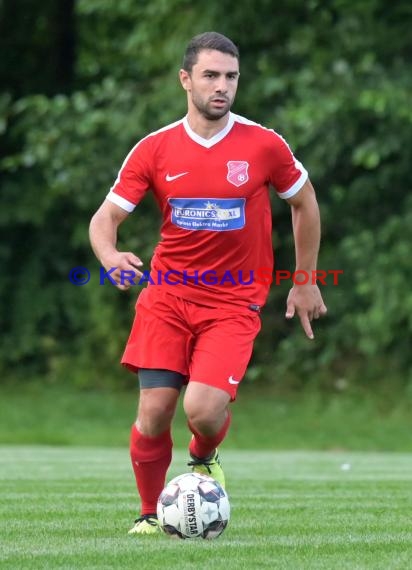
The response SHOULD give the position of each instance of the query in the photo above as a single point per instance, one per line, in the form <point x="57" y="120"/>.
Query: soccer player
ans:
<point x="196" y="321"/>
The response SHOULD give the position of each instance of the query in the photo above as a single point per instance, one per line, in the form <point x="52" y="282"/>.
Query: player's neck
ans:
<point x="203" y="127"/>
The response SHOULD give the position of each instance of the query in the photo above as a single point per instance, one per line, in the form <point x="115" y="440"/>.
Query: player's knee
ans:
<point x="203" y="418"/>
<point x="205" y="408"/>
<point x="154" y="417"/>
<point x="158" y="410"/>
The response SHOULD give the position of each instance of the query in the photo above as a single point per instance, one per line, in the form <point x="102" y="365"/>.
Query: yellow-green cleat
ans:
<point x="209" y="466"/>
<point x="146" y="524"/>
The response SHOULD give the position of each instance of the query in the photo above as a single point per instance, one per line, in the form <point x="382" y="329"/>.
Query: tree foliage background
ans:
<point x="83" y="80"/>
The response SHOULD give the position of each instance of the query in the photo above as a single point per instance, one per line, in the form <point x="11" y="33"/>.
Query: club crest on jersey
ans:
<point x="237" y="172"/>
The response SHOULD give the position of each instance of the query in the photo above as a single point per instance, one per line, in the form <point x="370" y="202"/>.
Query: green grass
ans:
<point x="71" y="508"/>
<point x="262" y="418"/>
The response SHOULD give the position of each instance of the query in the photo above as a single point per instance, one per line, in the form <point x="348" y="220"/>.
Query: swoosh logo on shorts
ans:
<point x="170" y="178"/>
<point x="231" y="380"/>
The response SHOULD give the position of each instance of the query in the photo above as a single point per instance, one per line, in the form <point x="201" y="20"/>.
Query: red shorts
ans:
<point x="205" y="344"/>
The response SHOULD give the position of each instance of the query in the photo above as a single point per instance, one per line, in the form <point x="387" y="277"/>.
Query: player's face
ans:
<point x="212" y="84"/>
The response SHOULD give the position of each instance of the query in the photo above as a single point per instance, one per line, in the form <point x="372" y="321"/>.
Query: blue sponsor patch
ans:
<point x="213" y="214"/>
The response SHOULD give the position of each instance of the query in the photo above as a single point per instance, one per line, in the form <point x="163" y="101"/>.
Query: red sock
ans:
<point x="204" y="445"/>
<point x="151" y="457"/>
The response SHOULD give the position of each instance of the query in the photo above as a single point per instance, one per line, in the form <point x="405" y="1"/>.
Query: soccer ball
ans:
<point x="193" y="505"/>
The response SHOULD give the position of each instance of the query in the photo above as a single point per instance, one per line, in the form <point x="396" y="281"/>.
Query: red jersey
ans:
<point x="216" y="246"/>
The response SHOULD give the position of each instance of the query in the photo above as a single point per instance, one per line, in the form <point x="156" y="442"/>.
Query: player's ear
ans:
<point x="185" y="79"/>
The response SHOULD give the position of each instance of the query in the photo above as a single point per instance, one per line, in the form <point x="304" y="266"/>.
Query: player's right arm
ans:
<point x="103" y="238"/>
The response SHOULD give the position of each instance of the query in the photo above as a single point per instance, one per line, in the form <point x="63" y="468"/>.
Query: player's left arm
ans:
<point x="305" y="299"/>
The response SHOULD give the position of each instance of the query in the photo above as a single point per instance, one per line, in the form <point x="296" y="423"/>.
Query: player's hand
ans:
<point x="306" y="301"/>
<point x="126" y="270"/>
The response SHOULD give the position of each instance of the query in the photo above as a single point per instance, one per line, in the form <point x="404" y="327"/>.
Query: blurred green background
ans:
<point x="81" y="82"/>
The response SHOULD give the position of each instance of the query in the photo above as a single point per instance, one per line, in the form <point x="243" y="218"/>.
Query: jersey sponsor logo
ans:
<point x="237" y="172"/>
<point x="170" y="178"/>
<point x="216" y="215"/>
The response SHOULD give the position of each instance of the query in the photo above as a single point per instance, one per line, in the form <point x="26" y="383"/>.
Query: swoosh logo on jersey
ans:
<point x="231" y="380"/>
<point x="170" y="178"/>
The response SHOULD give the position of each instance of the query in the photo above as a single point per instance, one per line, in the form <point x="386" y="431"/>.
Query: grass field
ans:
<point x="71" y="508"/>
<point x="262" y="419"/>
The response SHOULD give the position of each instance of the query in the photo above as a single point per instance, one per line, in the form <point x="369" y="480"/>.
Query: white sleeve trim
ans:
<point x="119" y="201"/>
<point x="294" y="189"/>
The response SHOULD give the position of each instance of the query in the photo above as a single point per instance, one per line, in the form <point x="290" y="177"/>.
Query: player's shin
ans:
<point x="151" y="457"/>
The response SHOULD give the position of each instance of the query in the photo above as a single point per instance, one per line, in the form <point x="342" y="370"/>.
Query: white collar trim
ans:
<point x="208" y="143"/>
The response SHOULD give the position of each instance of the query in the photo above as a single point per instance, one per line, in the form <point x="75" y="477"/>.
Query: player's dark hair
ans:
<point x="207" y="40"/>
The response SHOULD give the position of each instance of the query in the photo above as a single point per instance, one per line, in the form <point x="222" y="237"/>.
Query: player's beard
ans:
<point x="205" y="107"/>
